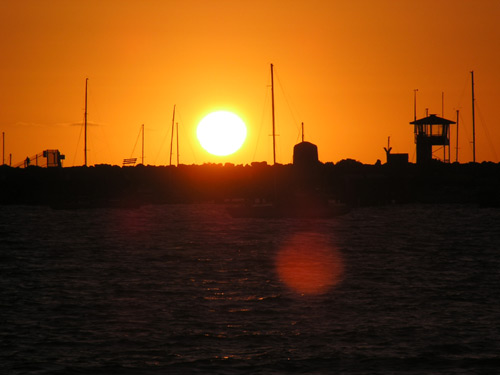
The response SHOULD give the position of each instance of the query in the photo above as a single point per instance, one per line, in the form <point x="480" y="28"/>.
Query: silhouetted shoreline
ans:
<point x="347" y="181"/>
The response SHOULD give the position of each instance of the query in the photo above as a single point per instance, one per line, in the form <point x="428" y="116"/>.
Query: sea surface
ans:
<point x="186" y="289"/>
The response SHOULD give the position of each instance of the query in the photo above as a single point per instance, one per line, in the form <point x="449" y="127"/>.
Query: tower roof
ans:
<point x="432" y="120"/>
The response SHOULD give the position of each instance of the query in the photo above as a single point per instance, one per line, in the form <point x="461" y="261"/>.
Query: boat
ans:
<point x="301" y="201"/>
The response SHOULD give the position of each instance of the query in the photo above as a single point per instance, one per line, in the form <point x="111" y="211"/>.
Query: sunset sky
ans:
<point x="346" y="68"/>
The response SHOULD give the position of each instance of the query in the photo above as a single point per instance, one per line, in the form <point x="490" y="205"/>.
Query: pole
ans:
<point x="272" y="104"/>
<point x="449" y="145"/>
<point x="444" y="146"/>
<point x="142" y="144"/>
<point x="442" y="104"/>
<point x="302" y="132"/>
<point x="447" y="129"/>
<point x="473" y="121"/>
<point x="456" y="157"/>
<point x="177" y="146"/>
<point x="172" y="136"/>
<point x="85" y="142"/>
<point x="3" y="148"/>
<point x="415" y="104"/>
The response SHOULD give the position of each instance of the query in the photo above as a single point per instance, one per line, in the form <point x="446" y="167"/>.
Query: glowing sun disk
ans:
<point x="221" y="133"/>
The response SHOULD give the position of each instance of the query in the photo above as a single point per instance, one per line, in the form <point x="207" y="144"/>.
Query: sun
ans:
<point x="221" y="133"/>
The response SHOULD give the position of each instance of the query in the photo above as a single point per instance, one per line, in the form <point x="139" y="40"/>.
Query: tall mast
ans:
<point x="473" y="122"/>
<point x="302" y="132"/>
<point x="85" y="142"/>
<point x="272" y="103"/>
<point x="3" y="148"/>
<point x="142" y="144"/>
<point x="172" y="136"/>
<point x="442" y="104"/>
<point x="449" y="143"/>
<point x="177" y="146"/>
<point x="415" y="104"/>
<point x="456" y="157"/>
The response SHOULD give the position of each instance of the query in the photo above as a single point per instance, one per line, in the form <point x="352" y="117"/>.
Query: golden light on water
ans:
<point x="308" y="264"/>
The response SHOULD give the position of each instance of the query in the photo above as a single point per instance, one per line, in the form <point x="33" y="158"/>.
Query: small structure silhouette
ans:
<point x="44" y="159"/>
<point x="431" y="131"/>
<point x="129" y="162"/>
<point x="394" y="159"/>
<point x="305" y="154"/>
<point x="53" y="158"/>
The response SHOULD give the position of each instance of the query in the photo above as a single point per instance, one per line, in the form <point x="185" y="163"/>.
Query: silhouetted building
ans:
<point x="45" y="159"/>
<point x="305" y="154"/>
<point x="431" y="131"/>
<point x="54" y="158"/>
<point x="397" y="159"/>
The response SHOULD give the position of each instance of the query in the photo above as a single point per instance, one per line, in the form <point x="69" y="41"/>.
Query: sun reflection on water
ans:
<point x="309" y="264"/>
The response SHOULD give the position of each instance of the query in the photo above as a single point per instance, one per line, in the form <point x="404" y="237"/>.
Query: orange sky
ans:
<point x="346" y="68"/>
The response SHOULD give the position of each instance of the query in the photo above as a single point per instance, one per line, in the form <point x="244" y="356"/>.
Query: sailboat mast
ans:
<point x="172" y="136"/>
<point x="473" y="122"/>
<point x="142" y="144"/>
<point x="272" y="103"/>
<point x="177" y="146"/>
<point x="85" y="114"/>
<point x="456" y="157"/>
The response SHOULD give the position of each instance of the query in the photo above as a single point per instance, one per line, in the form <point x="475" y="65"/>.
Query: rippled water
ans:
<point x="179" y="289"/>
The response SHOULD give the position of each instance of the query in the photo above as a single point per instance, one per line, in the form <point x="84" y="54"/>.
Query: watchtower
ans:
<point x="432" y="131"/>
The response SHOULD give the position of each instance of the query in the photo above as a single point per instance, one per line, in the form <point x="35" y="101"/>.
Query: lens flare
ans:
<point x="309" y="264"/>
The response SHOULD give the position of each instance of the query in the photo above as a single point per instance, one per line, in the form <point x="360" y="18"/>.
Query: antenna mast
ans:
<point x="473" y="121"/>
<point x="172" y="136"/>
<point x="302" y="132"/>
<point x="272" y="101"/>
<point x="85" y="142"/>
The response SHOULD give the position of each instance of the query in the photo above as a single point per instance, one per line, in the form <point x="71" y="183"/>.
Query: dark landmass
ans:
<point x="347" y="181"/>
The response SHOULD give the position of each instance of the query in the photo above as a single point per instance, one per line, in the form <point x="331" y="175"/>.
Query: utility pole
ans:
<point x="3" y="148"/>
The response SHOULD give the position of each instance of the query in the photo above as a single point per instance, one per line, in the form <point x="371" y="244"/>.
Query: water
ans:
<point x="182" y="289"/>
